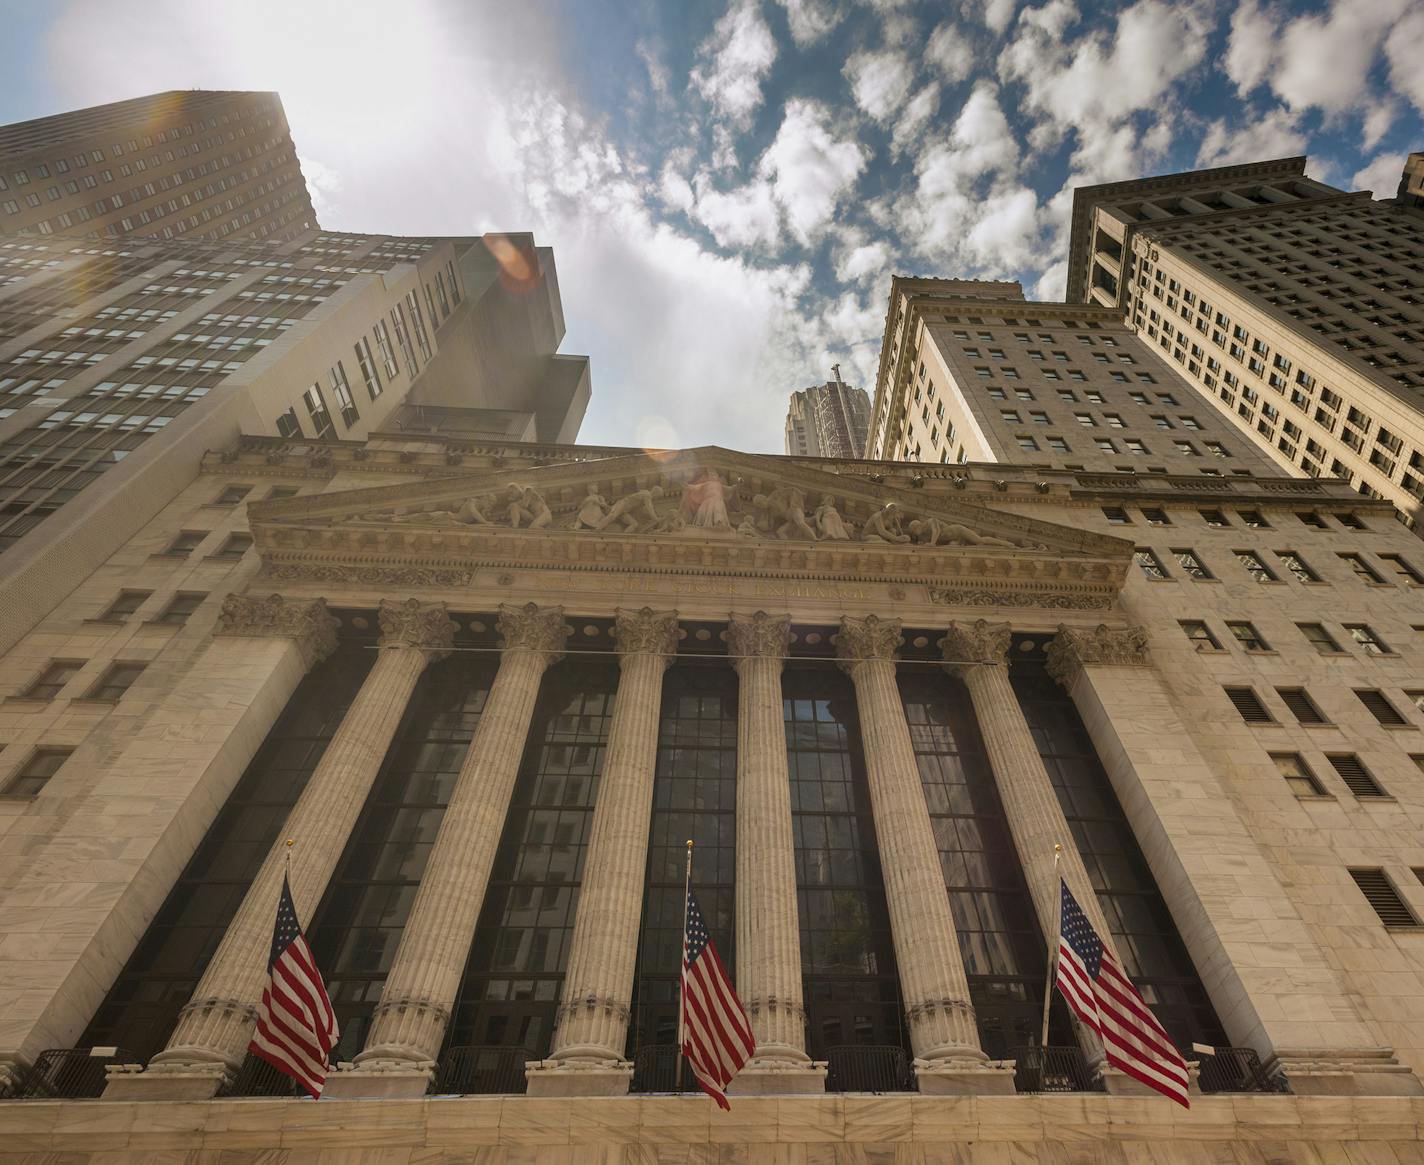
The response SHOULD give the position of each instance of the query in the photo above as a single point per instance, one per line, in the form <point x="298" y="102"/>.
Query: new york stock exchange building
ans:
<point x="489" y="691"/>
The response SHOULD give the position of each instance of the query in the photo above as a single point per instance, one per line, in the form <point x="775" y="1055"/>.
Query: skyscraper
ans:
<point x="1293" y="307"/>
<point x="182" y="164"/>
<point x="828" y="420"/>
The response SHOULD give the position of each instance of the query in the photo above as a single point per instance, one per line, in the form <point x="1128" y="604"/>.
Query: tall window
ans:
<point x="369" y="372"/>
<point x="694" y="796"/>
<point x="163" y="971"/>
<point x="357" y="928"/>
<point x="316" y="409"/>
<point x="515" y="972"/>
<point x="851" y="984"/>
<point x="341" y="389"/>
<point x="999" y="936"/>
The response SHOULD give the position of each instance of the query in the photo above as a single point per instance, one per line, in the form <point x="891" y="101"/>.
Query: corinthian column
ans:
<point x="943" y="1030"/>
<point x="768" y="930"/>
<point x="214" y="1028"/>
<point x="592" y="1027"/>
<point x="415" y="1006"/>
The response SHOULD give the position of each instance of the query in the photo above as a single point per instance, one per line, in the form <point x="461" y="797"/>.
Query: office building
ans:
<point x="186" y="164"/>
<point x="1293" y="307"/>
<point x="827" y="420"/>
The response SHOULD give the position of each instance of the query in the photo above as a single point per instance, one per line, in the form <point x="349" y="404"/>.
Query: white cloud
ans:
<point x="914" y="118"/>
<point x="1003" y="238"/>
<point x="949" y="51"/>
<point x="1376" y="123"/>
<point x="675" y="189"/>
<point x="744" y="217"/>
<point x="880" y="81"/>
<point x="734" y="60"/>
<point x="1252" y="45"/>
<point x="658" y="76"/>
<point x="998" y="14"/>
<point x="1405" y="50"/>
<point x="809" y="168"/>
<point x="811" y="20"/>
<point x="1273" y="136"/>
<point x="866" y="260"/>
<point x="1052" y="285"/>
<point x="1380" y="174"/>
<point x="1325" y="60"/>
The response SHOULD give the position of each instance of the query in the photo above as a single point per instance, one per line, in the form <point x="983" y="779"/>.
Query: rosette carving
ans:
<point x="533" y="628"/>
<point x="1074" y="647"/>
<point x="978" y="642"/>
<point x="304" y="621"/>
<point x="646" y="632"/>
<point x="864" y="640"/>
<point x="426" y="626"/>
<point x="758" y="635"/>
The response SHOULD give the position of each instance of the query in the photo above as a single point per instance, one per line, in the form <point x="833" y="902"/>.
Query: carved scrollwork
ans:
<point x="1073" y="648"/>
<point x="980" y="642"/>
<point x="970" y="597"/>
<point x="864" y="640"/>
<point x="369" y="575"/>
<point x="646" y="632"/>
<point x="759" y="635"/>
<point x="533" y="628"/>
<point x="304" y="621"/>
<point x="425" y="626"/>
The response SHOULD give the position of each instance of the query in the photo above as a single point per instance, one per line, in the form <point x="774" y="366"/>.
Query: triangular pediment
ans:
<point x="708" y="509"/>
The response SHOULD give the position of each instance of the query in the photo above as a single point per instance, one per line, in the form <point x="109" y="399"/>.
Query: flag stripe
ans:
<point x="717" y="1037"/>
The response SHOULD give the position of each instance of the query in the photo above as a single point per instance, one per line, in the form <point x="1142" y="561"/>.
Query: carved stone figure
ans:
<point x="932" y="531"/>
<point x="526" y="505"/>
<point x="471" y="514"/>
<point x="634" y="510"/>
<point x="884" y="526"/>
<point x="704" y="501"/>
<point x="747" y="528"/>
<point x="786" y="510"/>
<point x="591" y="511"/>
<point x="829" y="523"/>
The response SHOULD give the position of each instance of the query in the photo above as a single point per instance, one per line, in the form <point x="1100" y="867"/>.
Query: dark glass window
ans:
<point x="850" y="981"/>
<point x="125" y="605"/>
<point x="183" y="604"/>
<point x="1142" y="928"/>
<point x="999" y="937"/>
<point x="42" y="765"/>
<point x="694" y="796"/>
<point x="163" y="971"/>
<point x="116" y="681"/>
<point x="510" y="991"/>
<point x="357" y="928"/>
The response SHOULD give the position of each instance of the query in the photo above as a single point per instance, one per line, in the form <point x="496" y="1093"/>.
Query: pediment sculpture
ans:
<point x="707" y="504"/>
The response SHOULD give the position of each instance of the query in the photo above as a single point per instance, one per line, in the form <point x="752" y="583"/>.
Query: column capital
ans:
<point x="758" y="636"/>
<point x="426" y="627"/>
<point x="533" y="628"/>
<point x="1074" y="647"/>
<point x="305" y="621"/>
<point x="979" y="642"/>
<point x="866" y="640"/>
<point x="646" y="632"/>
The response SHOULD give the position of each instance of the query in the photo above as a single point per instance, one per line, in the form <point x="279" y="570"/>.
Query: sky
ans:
<point x="728" y="185"/>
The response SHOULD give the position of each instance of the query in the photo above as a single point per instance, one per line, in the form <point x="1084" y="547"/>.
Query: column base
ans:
<point x="779" y="1078"/>
<point x="965" y="1077"/>
<point x="578" y="1077"/>
<point x="1351" y="1072"/>
<point x="379" y="1080"/>
<point x="179" y="1081"/>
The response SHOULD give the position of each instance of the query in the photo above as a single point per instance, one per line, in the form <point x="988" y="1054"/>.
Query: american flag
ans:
<point x="1103" y="997"/>
<point x="296" y="1027"/>
<point x="716" y="1033"/>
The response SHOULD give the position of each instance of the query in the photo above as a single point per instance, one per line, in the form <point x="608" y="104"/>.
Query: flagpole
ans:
<point x="682" y="971"/>
<point x="1052" y="954"/>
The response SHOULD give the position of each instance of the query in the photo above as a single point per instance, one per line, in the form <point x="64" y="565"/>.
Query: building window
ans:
<point x="125" y="605"/>
<point x="388" y="353"/>
<point x="1255" y="566"/>
<point x="1297" y="774"/>
<point x="42" y="765"/>
<point x="235" y="546"/>
<point x="1312" y="519"/>
<point x="1363" y="570"/>
<point x="183" y="604"/>
<point x="1214" y="518"/>
<point x="1254" y="519"/>
<point x="1416" y="698"/>
<point x="116" y="681"/>
<point x="1156" y="517"/>
<point x="48" y="684"/>
<point x="1351" y="522"/>
<point x="1116" y="515"/>
<point x="1363" y="634"/>
<point x="341" y="389"/>
<point x="369" y="373"/>
<point x="1357" y="778"/>
<point x="281" y="491"/>
<point x="1149" y="562"/>
<point x="1380" y="707"/>
<point x="288" y="426"/>
<point x="1402" y="567"/>
<point x="1301" y="706"/>
<point x="1320" y="638"/>
<point x="316" y="409"/>
<point x="186" y="542"/>
<point x="1294" y="563"/>
<point x="232" y="495"/>
<point x="1249" y="705"/>
<point x="1383" y="898"/>
<point x="1199" y="633"/>
<point x="1191" y="564"/>
<point x="1246" y="634"/>
<point x="1027" y="443"/>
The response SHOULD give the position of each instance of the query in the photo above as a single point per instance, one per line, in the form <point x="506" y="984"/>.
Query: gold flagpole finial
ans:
<point x="1057" y="849"/>
<point x="291" y="841"/>
<point x="689" y="843"/>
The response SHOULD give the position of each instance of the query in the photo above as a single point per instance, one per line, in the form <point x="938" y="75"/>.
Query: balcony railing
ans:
<point x="1051" y="1070"/>
<point x="256" y="1077"/>
<point x="1238" y="1070"/>
<point x="69" y="1074"/>
<point x="480" y="1071"/>
<point x="868" y="1068"/>
<point x="655" y="1070"/>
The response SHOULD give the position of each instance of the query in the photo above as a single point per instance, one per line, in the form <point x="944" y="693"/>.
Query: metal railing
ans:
<point x="69" y="1073"/>
<point x="480" y="1071"/>
<point x="1237" y="1070"/>
<point x="256" y="1077"/>
<point x="1051" y="1069"/>
<point x="655" y="1070"/>
<point x="869" y="1068"/>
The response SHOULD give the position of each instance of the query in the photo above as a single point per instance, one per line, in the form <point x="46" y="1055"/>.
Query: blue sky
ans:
<point x="728" y="185"/>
